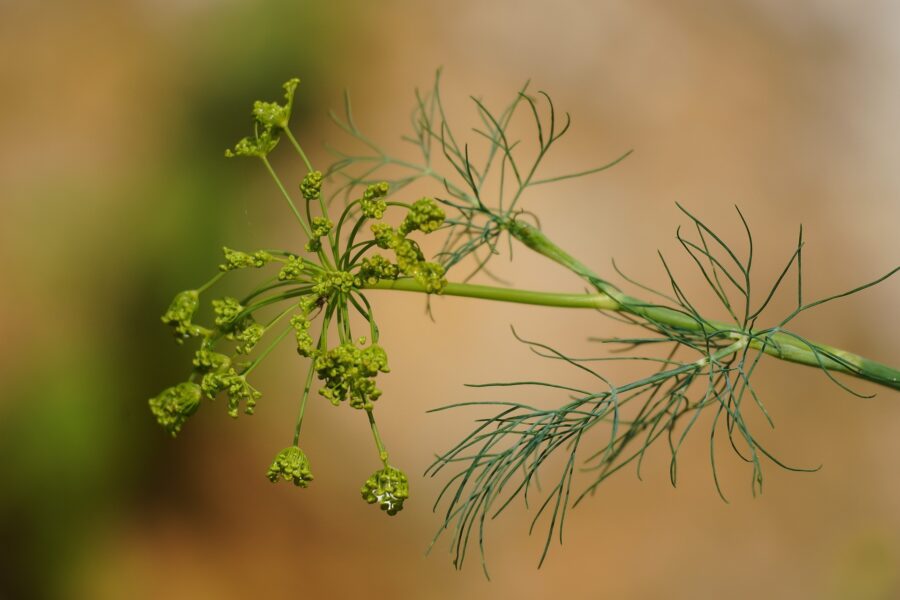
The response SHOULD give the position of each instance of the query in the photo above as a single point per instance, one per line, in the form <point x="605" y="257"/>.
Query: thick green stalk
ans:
<point x="487" y="292"/>
<point x="779" y="344"/>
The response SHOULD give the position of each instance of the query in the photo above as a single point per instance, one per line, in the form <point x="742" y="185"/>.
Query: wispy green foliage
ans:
<point x="480" y="217"/>
<point x="709" y="368"/>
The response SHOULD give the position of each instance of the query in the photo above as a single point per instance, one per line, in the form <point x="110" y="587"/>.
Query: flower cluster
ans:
<point x="260" y="145"/>
<point x="180" y="313"/>
<point x="389" y="487"/>
<point x="376" y="267"/>
<point x="206" y="360"/>
<point x="235" y="385"/>
<point x="425" y="216"/>
<point x="292" y="269"/>
<point x="233" y="320"/>
<point x="235" y="259"/>
<point x="248" y="337"/>
<point x="269" y="119"/>
<point x="273" y="115"/>
<point x="311" y="186"/>
<point x="174" y="405"/>
<point x="301" y="324"/>
<point x="227" y="311"/>
<point x="321" y="227"/>
<point x="349" y="374"/>
<point x="372" y="203"/>
<point x="291" y="465"/>
<point x="332" y="282"/>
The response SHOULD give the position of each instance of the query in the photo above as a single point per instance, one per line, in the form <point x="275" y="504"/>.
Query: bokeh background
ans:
<point x="115" y="194"/>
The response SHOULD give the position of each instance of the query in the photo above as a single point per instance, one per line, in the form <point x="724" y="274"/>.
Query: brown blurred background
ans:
<point x="115" y="195"/>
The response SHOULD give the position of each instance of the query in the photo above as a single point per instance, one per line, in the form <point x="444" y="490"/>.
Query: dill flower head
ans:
<point x="292" y="465"/>
<point x="174" y="405"/>
<point x="235" y="259"/>
<point x="389" y="487"/>
<point x="181" y="312"/>
<point x="425" y="216"/>
<point x="311" y="186"/>
<point x="349" y="374"/>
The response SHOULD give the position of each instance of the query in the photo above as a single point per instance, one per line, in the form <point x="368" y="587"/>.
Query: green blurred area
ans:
<point x="116" y="195"/>
<point x="114" y="245"/>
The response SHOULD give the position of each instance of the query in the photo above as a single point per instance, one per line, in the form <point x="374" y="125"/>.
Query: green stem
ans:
<point x="382" y="451"/>
<point x="309" y="378"/>
<point x="487" y="292"/>
<point x="300" y="151"/>
<point x="774" y="342"/>
<point x="287" y="197"/>
<point x="210" y="283"/>
<point x="266" y="352"/>
<point x="331" y="237"/>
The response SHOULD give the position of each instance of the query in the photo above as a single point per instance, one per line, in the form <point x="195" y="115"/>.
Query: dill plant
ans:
<point x="349" y="249"/>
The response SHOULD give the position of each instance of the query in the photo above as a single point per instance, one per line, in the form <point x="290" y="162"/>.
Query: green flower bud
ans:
<point x="349" y="374"/>
<point x="301" y="324"/>
<point x="214" y="382"/>
<point x="376" y="267"/>
<point x="430" y="275"/>
<point x="373" y="360"/>
<point x="237" y="388"/>
<point x="227" y="311"/>
<point x="293" y="269"/>
<point x="311" y="186"/>
<point x="179" y="315"/>
<point x="321" y="226"/>
<point x="389" y="487"/>
<point x="291" y="465"/>
<point x="240" y="391"/>
<point x="272" y="115"/>
<point x="408" y="255"/>
<point x="249" y="337"/>
<point x="305" y="344"/>
<point x="260" y="145"/>
<point x="384" y="235"/>
<point x="425" y="216"/>
<point x="174" y="405"/>
<point x="235" y="259"/>
<point x="330" y="282"/>
<point x="207" y="360"/>
<point x="372" y="204"/>
<point x="376" y="191"/>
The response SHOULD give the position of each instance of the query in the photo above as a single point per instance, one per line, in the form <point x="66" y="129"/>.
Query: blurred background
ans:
<point x="115" y="195"/>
